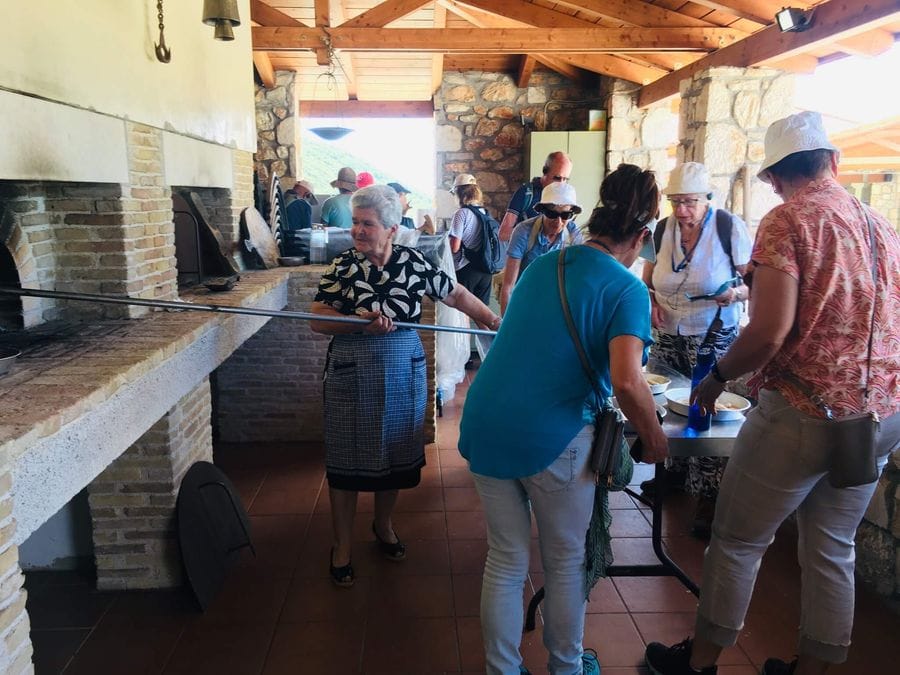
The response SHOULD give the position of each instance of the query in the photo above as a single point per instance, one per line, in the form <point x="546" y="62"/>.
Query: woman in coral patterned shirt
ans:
<point x="812" y="308"/>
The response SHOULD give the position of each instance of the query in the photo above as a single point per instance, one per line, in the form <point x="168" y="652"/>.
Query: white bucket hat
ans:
<point x="463" y="179"/>
<point x="558" y="194"/>
<point x="690" y="178"/>
<point x="797" y="133"/>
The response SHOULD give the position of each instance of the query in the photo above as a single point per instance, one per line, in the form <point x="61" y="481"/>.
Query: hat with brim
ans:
<point x="463" y="179"/>
<point x="346" y="179"/>
<point x="690" y="178"/>
<point x="556" y="195"/>
<point x="399" y="189"/>
<point x="797" y="133"/>
<point x="305" y="184"/>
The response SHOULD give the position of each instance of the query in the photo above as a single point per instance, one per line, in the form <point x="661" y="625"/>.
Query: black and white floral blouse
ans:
<point x="352" y="283"/>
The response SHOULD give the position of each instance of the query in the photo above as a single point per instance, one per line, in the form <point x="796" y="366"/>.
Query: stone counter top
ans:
<point x="80" y="394"/>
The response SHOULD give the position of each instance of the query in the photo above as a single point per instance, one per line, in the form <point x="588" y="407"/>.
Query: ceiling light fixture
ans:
<point x="793" y="19"/>
<point x="332" y="133"/>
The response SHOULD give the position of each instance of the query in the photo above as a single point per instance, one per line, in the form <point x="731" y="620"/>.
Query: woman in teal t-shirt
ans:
<point x="523" y="427"/>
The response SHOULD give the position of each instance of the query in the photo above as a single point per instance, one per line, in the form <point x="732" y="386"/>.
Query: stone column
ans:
<point x="133" y="500"/>
<point x="724" y="116"/>
<point x="278" y="131"/>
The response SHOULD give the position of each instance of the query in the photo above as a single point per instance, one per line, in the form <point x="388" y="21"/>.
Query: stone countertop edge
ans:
<point x="54" y="396"/>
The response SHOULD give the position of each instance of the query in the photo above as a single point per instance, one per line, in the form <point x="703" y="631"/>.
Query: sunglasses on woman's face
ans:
<point x="557" y="215"/>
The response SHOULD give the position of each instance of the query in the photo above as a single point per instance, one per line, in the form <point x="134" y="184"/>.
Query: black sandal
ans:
<point x="341" y="576"/>
<point x="395" y="551"/>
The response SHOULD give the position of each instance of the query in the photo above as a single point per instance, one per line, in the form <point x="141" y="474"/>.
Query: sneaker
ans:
<point x="674" y="660"/>
<point x="778" y="667"/>
<point x="589" y="663"/>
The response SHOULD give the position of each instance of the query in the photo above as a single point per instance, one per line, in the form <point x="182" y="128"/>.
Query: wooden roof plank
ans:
<point x="636" y="13"/>
<point x="322" y="10"/>
<point x="832" y="19"/>
<point x="265" y="15"/>
<point x="263" y="65"/>
<point x="872" y="43"/>
<point x="613" y="66"/>
<point x="437" y="60"/>
<point x="526" y="67"/>
<point x="526" y="12"/>
<point x="382" y="14"/>
<point x="487" y="40"/>
<point x="759" y="11"/>
<point x="565" y="69"/>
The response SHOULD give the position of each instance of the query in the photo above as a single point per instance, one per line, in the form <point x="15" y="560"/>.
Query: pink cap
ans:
<point x="364" y="179"/>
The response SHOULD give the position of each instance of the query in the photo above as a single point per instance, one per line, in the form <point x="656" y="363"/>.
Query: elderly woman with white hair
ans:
<point x="701" y="254"/>
<point x="375" y="386"/>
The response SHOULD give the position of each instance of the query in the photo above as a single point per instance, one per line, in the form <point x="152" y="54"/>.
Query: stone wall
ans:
<point x="724" y="116"/>
<point x="884" y="197"/>
<point x="878" y="538"/>
<point x="646" y="137"/>
<point x="480" y="131"/>
<point x="278" y="130"/>
<point x="271" y="388"/>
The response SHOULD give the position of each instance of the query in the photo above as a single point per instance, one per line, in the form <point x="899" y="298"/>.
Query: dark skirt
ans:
<point x="375" y="392"/>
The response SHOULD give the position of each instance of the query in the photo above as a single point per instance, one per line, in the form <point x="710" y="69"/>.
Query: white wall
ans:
<point x="98" y="55"/>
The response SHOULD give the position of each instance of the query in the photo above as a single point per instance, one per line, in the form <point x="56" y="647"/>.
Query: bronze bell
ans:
<point x="223" y="14"/>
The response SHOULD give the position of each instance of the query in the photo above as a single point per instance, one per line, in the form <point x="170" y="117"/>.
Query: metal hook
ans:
<point x="163" y="53"/>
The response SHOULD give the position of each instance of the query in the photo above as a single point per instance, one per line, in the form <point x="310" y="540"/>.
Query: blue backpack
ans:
<point x="491" y="257"/>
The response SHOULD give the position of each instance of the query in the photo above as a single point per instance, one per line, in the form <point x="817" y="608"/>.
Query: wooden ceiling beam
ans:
<point x="366" y="109"/>
<point x="382" y="14"/>
<point x="614" y="66"/>
<point x="528" y="13"/>
<point x="497" y="41"/>
<point x="833" y="20"/>
<point x="873" y="43"/>
<point x="265" y="15"/>
<point x="635" y="13"/>
<point x="345" y="61"/>
<point x="263" y="65"/>
<point x="526" y="67"/>
<point x="801" y="63"/>
<point x="437" y="60"/>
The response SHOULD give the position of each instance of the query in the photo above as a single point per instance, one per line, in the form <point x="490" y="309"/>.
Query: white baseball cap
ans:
<point x="796" y="133"/>
<point x="558" y="194"/>
<point x="690" y="178"/>
<point x="463" y="179"/>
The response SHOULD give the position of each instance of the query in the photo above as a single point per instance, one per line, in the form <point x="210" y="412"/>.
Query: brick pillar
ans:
<point x="15" y="644"/>
<point x="133" y="501"/>
<point x="148" y="230"/>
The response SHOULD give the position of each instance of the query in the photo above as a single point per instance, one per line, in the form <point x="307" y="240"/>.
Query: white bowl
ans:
<point x="728" y="406"/>
<point x="658" y="383"/>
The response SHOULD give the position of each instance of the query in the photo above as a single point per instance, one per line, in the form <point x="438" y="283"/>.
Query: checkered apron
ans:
<point x="375" y="393"/>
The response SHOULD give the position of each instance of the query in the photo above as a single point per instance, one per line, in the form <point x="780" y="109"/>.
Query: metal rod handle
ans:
<point x="197" y="307"/>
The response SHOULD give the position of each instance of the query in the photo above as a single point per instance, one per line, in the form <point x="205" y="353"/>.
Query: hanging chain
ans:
<point x="163" y="53"/>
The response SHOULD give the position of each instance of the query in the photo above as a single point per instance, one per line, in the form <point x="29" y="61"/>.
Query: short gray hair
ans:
<point x="383" y="200"/>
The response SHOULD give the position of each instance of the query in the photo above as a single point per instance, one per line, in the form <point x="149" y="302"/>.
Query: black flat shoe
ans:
<point x="341" y="576"/>
<point x="395" y="551"/>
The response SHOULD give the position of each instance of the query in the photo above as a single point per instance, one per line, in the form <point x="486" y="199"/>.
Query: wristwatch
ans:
<point x="717" y="376"/>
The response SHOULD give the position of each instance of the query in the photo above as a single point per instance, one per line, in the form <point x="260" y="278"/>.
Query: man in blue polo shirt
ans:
<point x="557" y="169"/>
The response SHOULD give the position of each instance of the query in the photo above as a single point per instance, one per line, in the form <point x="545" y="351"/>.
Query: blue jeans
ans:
<point x="771" y="474"/>
<point x="562" y="497"/>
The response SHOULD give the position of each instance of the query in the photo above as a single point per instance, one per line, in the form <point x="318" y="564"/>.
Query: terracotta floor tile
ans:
<point x="67" y="606"/>
<point x="212" y="650"/>
<point x="687" y="552"/>
<point x="365" y="503"/>
<point x="462" y="499"/>
<point x="126" y="649"/>
<point x="468" y="555"/>
<point x="319" y="600"/>
<point x="655" y="594"/>
<point x="766" y="635"/>
<point x="246" y="601"/>
<point x="296" y="477"/>
<point x="451" y="458"/>
<point x="466" y="525"/>
<point x="421" y="596"/>
<point x="671" y="628"/>
<point x="635" y="551"/>
<point x="323" y="647"/>
<point x="424" y="557"/>
<point x="471" y="647"/>
<point x="54" y="648"/>
<point x="421" y="525"/>
<point x="420" y="498"/>
<point x="466" y="594"/>
<point x="271" y="501"/>
<point x="620" y="500"/>
<point x="605" y="599"/>
<point x="431" y="474"/>
<point x="277" y="540"/>
<point x="408" y="646"/>
<point x="615" y="639"/>
<point x="629" y="523"/>
<point x="457" y="476"/>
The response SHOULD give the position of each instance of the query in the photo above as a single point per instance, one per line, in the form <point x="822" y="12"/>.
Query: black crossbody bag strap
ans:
<point x="582" y="355"/>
